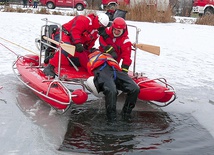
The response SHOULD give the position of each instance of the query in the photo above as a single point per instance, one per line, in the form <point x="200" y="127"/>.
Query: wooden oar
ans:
<point x="148" y="48"/>
<point x="68" y="48"/>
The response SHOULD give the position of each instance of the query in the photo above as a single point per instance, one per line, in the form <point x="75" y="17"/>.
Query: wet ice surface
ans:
<point x="29" y="125"/>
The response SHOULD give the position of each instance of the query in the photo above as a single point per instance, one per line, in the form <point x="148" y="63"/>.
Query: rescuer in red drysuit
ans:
<point x="114" y="39"/>
<point x="82" y="32"/>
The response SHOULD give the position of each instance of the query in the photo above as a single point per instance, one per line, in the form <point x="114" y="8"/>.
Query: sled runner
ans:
<point x="73" y="84"/>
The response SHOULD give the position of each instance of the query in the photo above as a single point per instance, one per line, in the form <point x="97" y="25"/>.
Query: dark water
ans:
<point x="148" y="132"/>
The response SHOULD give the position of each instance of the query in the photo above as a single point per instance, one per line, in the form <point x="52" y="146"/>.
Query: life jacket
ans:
<point x="97" y="59"/>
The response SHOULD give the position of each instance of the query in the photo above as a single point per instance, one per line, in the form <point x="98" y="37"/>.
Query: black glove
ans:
<point x="103" y="33"/>
<point x="125" y="68"/>
<point x="92" y="50"/>
<point x="79" y="48"/>
<point x="110" y="50"/>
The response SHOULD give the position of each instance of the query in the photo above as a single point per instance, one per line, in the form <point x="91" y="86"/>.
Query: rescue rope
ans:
<point x="9" y="49"/>
<point x="2" y="99"/>
<point x="18" y="45"/>
<point x="16" y="55"/>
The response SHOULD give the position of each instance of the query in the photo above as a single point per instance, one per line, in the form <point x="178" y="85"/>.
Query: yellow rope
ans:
<point x="18" y="45"/>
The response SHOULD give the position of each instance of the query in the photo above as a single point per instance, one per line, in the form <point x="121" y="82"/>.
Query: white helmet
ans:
<point x="91" y="86"/>
<point x="103" y="19"/>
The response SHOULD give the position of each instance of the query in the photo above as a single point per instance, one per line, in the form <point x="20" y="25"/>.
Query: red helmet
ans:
<point x="119" y="23"/>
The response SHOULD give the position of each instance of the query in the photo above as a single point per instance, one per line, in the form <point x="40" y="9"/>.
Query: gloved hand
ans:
<point x="79" y="48"/>
<point x="109" y="49"/>
<point x="125" y="68"/>
<point x="92" y="50"/>
<point x="103" y="33"/>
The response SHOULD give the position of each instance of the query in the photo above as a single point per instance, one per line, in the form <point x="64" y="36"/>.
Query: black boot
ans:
<point x="127" y="109"/>
<point x="46" y="61"/>
<point x="111" y="99"/>
<point x="112" y="117"/>
<point x="126" y="113"/>
<point x="130" y="102"/>
<point x="49" y="71"/>
<point x="110" y="93"/>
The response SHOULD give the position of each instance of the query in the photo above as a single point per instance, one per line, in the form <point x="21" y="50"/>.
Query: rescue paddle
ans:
<point x="148" y="48"/>
<point x="68" y="48"/>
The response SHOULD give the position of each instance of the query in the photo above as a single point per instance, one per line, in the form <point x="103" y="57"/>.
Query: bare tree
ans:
<point x="94" y="3"/>
<point x="181" y="7"/>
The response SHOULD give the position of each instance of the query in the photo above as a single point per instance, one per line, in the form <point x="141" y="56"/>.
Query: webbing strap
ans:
<point x="103" y="66"/>
<point x="97" y="56"/>
<point x="114" y="72"/>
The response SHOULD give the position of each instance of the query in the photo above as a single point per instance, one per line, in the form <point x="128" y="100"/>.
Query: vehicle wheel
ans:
<point x="50" y="5"/>
<point x="79" y="7"/>
<point x="208" y="11"/>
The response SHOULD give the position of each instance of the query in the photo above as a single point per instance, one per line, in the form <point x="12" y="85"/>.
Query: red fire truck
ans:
<point x="203" y="7"/>
<point x="52" y="4"/>
<point x="110" y="3"/>
<point x="161" y="5"/>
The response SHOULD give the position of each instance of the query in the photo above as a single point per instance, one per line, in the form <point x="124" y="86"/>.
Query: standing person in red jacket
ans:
<point x="82" y="32"/>
<point x="30" y="3"/>
<point x="114" y="39"/>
